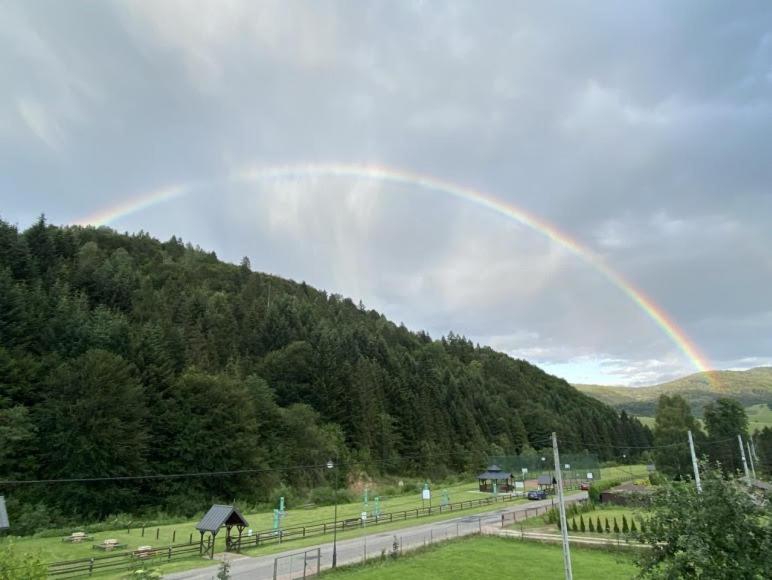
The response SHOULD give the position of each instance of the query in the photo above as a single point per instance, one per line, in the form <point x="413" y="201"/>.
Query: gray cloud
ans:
<point x="643" y="131"/>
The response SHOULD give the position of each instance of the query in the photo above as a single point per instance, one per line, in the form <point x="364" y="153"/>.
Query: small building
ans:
<point x="494" y="474"/>
<point x="217" y="517"/>
<point x="547" y="482"/>
<point x="4" y="525"/>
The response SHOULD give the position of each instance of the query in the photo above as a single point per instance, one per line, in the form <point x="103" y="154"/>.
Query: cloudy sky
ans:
<point x="643" y="130"/>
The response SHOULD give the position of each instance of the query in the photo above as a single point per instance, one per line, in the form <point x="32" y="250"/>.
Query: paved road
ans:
<point x="354" y="550"/>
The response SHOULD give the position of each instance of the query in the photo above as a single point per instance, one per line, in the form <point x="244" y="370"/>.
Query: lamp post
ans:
<point x="330" y="465"/>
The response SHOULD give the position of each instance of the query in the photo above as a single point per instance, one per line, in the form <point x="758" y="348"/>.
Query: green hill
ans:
<point x="751" y="387"/>
<point x="123" y="355"/>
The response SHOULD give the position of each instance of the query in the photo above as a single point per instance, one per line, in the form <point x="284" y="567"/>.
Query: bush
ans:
<point x="599" y="526"/>
<point x="616" y="526"/>
<point x="592" y="527"/>
<point x="625" y="527"/>
<point x="633" y="527"/>
<point x="582" y="527"/>
<point x="608" y="528"/>
<point x="15" y="565"/>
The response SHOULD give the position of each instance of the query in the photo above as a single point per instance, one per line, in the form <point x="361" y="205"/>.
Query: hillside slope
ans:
<point x="122" y="355"/>
<point x="750" y="387"/>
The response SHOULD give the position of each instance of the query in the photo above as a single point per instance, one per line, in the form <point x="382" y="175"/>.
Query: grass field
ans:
<point x="493" y="559"/>
<point x="52" y="549"/>
<point x="759" y="416"/>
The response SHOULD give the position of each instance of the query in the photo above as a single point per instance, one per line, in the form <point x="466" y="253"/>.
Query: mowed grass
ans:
<point x="494" y="559"/>
<point x="53" y="549"/>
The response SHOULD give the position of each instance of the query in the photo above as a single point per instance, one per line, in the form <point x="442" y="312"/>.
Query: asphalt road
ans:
<point x="355" y="550"/>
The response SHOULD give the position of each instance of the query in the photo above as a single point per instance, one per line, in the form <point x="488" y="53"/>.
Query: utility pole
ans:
<point x="563" y="523"/>
<point x="694" y="464"/>
<point x="745" y="463"/>
<point x="753" y="448"/>
<point x="750" y="456"/>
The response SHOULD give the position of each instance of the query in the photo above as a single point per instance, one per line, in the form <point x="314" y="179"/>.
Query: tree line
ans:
<point x="724" y="419"/>
<point x="121" y="355"/>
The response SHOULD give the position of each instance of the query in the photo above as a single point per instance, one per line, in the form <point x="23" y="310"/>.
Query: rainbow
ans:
<point x="407" y="178"/>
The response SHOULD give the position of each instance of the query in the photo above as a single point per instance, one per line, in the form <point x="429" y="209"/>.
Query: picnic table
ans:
<point x="109" y="544"/>
<point x="77" y="537"/>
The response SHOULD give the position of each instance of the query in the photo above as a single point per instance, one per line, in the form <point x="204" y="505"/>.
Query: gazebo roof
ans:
<point x="494" y="472"/>
<point x="219" y="516"/>
<point x="4" y="525"/>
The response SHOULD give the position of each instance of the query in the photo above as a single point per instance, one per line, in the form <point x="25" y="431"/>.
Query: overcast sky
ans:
<point x="641" y="129"/>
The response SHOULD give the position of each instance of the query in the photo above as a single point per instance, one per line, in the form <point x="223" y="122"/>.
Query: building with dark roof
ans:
<point x="494" y="474"/>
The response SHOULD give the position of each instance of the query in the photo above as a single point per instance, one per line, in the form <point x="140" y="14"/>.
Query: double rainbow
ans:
<point x="407" y="178"/>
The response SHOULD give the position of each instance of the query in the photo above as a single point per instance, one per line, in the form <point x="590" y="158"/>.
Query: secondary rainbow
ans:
<point x="411" y="179"/>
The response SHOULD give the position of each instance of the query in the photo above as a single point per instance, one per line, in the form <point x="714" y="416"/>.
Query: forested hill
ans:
<point x="122" y="355"/>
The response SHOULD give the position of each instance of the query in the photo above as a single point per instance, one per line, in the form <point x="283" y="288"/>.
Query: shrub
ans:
<point x="616" y="526"/>
<point x="592" y="527"/>
<point x="633" y="527"/>
<point x="608" y="528"/>
<point x="16" y="565"/>
<point x="625" y="527"/>
<point x="582" y="527"/>
<point x="573" y="527"/>
<point x="599" y="526"/>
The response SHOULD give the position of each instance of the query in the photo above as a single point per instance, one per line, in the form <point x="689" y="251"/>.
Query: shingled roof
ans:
<point x="494" y="473"/>
<point x="219" y="516"/>
<point x="4" y="525"/>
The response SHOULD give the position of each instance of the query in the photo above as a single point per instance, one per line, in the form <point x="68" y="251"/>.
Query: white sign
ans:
<point x="524" y="470"/>
<point x="364" y="516"/>
<point x="568" y="466"/>
<point x="589" y="475"/>
<point x="426" y="494"/>
<point x="519" y="485"/>
<point x="249" y="533"/>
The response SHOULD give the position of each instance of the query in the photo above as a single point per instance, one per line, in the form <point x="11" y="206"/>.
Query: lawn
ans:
<point x="493" y="559"/>
<point x="53" y="549"/>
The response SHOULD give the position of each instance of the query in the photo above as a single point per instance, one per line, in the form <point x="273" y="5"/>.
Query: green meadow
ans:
<point x="493" y="559"/>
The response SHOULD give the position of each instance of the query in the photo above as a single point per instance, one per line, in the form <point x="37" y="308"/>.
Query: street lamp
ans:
<point x="330" y="465"/>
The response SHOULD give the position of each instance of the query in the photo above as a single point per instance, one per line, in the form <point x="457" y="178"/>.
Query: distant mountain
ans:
<point x="751" y="387"/>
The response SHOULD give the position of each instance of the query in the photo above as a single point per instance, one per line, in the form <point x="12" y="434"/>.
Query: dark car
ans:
<point x="584" y="486"/>
<point x="537" y="494"/>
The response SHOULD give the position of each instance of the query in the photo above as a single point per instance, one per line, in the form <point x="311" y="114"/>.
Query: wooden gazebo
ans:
<point x="547" y="482"/>
<point x="494" y="474"/>
<point x="217" y="517"/>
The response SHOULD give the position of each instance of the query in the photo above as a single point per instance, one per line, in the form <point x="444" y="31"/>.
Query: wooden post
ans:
<point x="174" y="536"/>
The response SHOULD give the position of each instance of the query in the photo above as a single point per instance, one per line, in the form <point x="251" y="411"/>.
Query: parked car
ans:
<point x="537" y="494"/>
<point x="585" y="486"/>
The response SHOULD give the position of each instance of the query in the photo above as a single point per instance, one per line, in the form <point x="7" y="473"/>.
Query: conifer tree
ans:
<point x="616" y="525"/>
<point x="608" y="528"/>
<point x="599" y="526"/>
<point x="592" y="526"/>
<point x="582" y="527"/>
<point x="625" y="527"/>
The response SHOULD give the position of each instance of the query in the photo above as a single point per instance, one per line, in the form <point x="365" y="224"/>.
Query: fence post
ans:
<point x="157" y="531"/>
<point x="275" y="567"/>
<point x="170" y="553"/>
<point x="90" y="566"/>
<point x="190" y="541"/>
<point x="479" y="523"/>
<point x="174" y="536"/>
<point x="143" y="530"/>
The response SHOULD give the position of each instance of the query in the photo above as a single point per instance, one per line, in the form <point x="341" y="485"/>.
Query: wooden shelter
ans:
<point x="494" y="474"/>
<point x="217" y="517"/>
<point x="547" y="482"/>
